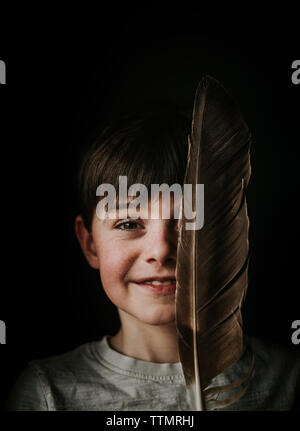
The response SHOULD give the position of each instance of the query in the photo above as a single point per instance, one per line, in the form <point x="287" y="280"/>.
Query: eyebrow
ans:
<point x="122" y="206"/>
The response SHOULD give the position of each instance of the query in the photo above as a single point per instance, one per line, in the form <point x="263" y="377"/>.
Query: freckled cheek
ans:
<point x="115" y="264"/>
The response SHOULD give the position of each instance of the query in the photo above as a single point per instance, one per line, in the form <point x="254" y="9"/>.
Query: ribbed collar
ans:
<point x="138" y="368"/>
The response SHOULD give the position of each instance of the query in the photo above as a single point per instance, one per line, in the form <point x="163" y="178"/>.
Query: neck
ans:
<point x="153" y="343"/>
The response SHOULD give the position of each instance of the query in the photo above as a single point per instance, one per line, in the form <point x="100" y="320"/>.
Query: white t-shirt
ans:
<point x="95" y="377"/>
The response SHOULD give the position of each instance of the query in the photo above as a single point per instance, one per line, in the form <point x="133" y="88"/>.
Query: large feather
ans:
<point x="212" y="262"/>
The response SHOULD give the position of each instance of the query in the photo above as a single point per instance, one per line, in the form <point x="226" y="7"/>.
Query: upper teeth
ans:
<point x="159" y="283"/>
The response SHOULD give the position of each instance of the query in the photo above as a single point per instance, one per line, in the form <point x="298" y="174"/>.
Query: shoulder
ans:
<point x="40" y="385"/>
<point x="274" y="358"/>
<point x="69" y="363"/>
<point x="28" y="392"/>
<point x="276" y="382"/>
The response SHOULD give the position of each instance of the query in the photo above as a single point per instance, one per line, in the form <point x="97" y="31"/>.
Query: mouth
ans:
<point x="158" y="285"/>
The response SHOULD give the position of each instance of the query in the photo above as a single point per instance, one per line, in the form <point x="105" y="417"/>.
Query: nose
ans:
<point x="161" y="245"/>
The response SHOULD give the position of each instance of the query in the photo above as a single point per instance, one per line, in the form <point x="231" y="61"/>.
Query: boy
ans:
<point x="138" y="368"/>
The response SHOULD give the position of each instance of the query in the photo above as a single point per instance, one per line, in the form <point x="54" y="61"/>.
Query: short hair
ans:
<point x="148" y="146"/>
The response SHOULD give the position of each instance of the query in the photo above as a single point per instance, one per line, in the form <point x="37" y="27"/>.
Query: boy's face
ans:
<point x="137" y="260"/>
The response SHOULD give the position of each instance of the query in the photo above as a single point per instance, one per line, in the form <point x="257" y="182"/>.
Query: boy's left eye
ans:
<point x="128" y="225"/>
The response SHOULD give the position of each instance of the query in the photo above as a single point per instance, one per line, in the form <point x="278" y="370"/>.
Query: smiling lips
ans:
<point x="163" y="285"/>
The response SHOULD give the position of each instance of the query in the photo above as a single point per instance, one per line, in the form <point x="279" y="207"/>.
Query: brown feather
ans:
<point x="212" y="262"/>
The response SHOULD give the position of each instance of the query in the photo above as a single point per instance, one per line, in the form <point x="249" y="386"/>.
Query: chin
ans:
<point x="156" y="319"/>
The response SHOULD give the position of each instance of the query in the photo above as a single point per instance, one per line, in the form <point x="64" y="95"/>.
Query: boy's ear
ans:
<point x="86" y="242"/>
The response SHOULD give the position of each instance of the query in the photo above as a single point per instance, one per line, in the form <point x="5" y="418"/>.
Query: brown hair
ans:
<point x="149" y="147"/>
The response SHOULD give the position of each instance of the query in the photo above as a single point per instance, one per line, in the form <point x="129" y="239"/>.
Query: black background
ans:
<point x="64" y="76"/>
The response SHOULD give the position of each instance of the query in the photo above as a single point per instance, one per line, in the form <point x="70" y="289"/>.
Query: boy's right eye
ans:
<point x="128" y="225"/>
